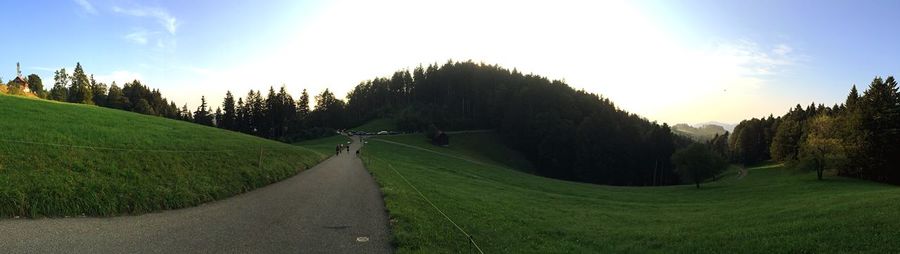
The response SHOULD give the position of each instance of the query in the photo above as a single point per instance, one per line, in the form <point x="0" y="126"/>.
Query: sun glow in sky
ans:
<point x="684" y="62"/>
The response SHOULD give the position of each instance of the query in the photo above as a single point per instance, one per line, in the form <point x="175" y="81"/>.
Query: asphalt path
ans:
<point x="334" y="207"/>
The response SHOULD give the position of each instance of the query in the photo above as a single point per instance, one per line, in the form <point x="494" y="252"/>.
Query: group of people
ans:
<point x="341" y="147"/>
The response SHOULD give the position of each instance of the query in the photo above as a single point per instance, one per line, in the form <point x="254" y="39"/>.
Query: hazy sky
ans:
<point x="670" y="61"/>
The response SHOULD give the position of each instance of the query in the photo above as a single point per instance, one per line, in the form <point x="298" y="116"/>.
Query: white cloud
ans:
<point x="42" y="68"/>
<point x="139" y="37"/>
<point x="782" y="50"/>
<point x="86" y="6"/>
<point x="169" y="22"/>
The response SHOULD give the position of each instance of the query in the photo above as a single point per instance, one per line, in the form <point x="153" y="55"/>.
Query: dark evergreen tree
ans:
<point x="60" y="90"/>
<point x="115" y="98"/>
<point x="217" y="117"/>
<point x="99" y="92"/>
<point x="229" y="115"/>
<point x="186" y="114"/>
<point x="80" y="90"/>
<point x="202" y="115"/>
<point x="143" y="107"/>
<point x="329" y="111"/>
<point x="241" y="117"/>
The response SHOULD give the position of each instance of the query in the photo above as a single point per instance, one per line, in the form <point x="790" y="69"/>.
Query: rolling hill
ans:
<point x="509" y="211"/>
<point x="703" y="133"/>
<point x="61" y="159"/>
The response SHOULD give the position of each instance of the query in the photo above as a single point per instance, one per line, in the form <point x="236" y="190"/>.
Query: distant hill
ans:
<point x="728" y="127"/>
<point x="702" y="133"/>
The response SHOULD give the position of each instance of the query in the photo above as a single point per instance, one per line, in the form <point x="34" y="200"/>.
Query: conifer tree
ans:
<point x="80" y="90"/>
<point x="60" y="91"/>
<point x="202" y="115"/>
<point x="229" y="114"/>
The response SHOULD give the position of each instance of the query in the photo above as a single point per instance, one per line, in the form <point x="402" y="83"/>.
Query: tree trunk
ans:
<point x="698" y="184"/>
<point x="819" y="172"/>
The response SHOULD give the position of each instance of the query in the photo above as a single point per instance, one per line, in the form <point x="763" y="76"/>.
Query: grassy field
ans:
<point x="324" y="146"/>
<point x="771" y="210"/>
<point x="381" y="124"/>
<point x="60" y="159"/>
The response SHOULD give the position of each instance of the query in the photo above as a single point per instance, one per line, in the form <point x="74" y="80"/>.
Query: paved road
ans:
<point x="321" y="210"/>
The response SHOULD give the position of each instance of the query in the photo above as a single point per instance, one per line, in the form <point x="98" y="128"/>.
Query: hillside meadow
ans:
<point x="771" y="210"/>
<point x="61" y="159"/>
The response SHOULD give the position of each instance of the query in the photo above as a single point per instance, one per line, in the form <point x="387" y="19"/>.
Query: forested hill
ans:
<point x="567" y="133"/>
<point x="858" y="138"/>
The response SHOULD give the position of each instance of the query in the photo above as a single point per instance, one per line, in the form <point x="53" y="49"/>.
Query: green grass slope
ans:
<point x="60" y="159"/>
<point x="485" y="147"/>
<point x="380" y="124"/>
<point x="771" y="210"/>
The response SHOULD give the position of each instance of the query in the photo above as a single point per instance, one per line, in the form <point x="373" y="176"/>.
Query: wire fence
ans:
<point x="468" y="236"/>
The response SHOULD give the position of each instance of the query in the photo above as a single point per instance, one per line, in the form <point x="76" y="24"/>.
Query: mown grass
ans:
<point x="771" y="210"/>
<point x="324" y="146"/>
<point x="380" y="124"/>
<point x="140" y="163"/>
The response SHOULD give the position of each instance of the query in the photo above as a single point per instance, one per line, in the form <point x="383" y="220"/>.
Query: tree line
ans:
<point x="566" y="133"/>
<point x="78" y="87"/>
<point x="859" y="138"/>
<point x="276" y="116"/>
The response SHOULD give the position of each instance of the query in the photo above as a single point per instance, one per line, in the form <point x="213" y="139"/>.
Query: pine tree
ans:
<point x="217" y="117"/>
<point x="852" y="98"/>
<point x="302" y="109"/>
<point x="880" y="120"/>
<point x="272" y="112"/>
<point x="285" y="113"/>
<point x="202" y="115"/>
<point x="255" y="112"/>
<point x="115" y="98"/>
<point x="99" y="92"/>
<point x="60" y="92"/>
<point x="143" y="107"/>
<point x="241" y="117"/>
<point x="186" y="114"/>
<point x="229" y="114"/>
<point x="80" y="90"/>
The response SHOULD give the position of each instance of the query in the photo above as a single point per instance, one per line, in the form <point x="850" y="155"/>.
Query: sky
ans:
<point x="670" y="61"/>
